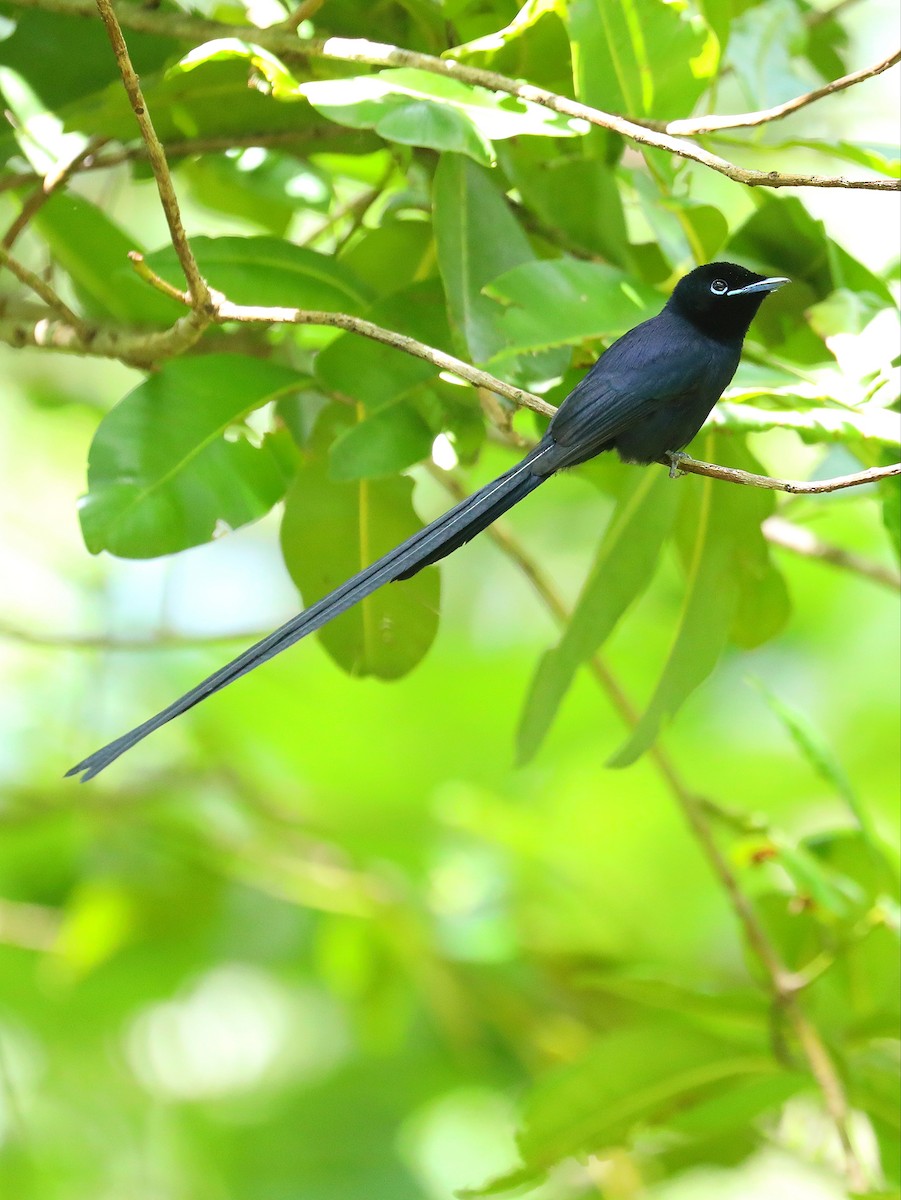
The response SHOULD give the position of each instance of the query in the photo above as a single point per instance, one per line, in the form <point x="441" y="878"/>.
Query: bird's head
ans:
<point x="722" y="298"/>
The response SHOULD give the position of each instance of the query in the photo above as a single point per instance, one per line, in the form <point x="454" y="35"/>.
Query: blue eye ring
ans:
<point x="719" y="287"/>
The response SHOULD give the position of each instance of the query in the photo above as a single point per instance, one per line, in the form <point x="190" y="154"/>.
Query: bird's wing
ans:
<point x="648" y="367"/>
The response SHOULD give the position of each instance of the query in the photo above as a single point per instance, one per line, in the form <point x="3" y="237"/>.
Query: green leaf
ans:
<point x="818" y="753"/>
<point x="784" y="238"/>
<point x="393" y="256"/>
<point x="639" y="57"/>
<point x="422" y="109"/>
<point x="280" y="80"/>
<point x="563" y="301"/>
<point x="391" y="439"/>
<point x="376" y="374"/>
<point x="93" y="251"/>
<point x="629" y="1078"/>
<point x="212" y="100"/>
<point x="625" y="564"/>
<point x="727" y="571"/>
<point x="262" y="187"/>
<point x="846" y="426"/>
<point x="477" y="240"/>
<point x="268" y="271"/>
<point x="330" y="531"/>
<point x="578" y="197"/>
<point x="173" y="460"/>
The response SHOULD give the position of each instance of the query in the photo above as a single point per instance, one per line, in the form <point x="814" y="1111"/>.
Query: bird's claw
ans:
<point x="675" y="458"/>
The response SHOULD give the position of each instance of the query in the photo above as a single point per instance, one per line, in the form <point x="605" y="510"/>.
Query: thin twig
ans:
<point x="182" y="147"/>
<point x="156" y="154"/>
<point x="787" y="535"/>
<point x="360" y="50"/>
<point x="46" y="293"/>
<point x="694" y="466"/>
<point x="303" y="12"/>
<point x="50" y="183"/>
<point x="693" y="126"/>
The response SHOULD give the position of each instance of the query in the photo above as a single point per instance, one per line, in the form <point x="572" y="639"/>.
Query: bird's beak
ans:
<point x="765" y="285"/>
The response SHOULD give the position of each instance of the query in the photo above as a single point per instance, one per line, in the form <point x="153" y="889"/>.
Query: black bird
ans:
<point x="646" y="398"/>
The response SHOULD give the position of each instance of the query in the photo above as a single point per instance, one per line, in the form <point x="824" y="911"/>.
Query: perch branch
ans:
<point x="693" y="126"/>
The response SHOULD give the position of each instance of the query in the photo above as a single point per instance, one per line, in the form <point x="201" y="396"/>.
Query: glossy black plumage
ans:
<point x="648" y="395"/>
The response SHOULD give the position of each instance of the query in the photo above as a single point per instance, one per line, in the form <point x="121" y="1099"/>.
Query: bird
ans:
<point x="646" y="397"/>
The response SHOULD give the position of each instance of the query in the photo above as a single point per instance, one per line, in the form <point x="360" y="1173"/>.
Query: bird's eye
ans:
<point x="719" y="287"/>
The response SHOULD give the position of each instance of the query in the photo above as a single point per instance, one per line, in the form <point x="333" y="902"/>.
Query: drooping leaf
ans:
<point x="330" y="531"/>
<point x="624" y="566"/>
<point x="784" y="238"/>
<point x="579" y="197"/>
<point x="631" y="1077"/>
<point x="477" y="239"/>
<point x="730" y="589"/>
<point x="263" y="187"/>
<point x="174" y="460"/>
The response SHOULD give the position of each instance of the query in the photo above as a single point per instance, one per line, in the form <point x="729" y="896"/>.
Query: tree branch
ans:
<point x="197" y="287"/>
<point x="361" y="50"/>
<point x="787" y="535"/>
<point x="682" y="463"/>
<point x="42" y="289"/>
<point x="48" y="184"/>
<point x="141" y="348"/>
<point x="693" y="126"/>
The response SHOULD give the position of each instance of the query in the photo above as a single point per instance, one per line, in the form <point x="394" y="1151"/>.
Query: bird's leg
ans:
<point x="675" y="458"/>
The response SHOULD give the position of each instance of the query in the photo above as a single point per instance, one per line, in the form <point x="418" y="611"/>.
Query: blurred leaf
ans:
<point x="640" y="58"/>
<point x="629" y="1077"/>
<point x="64" y="58"/>
<point x="264" y="188"/>
<point x="280" y="80"/>
<point x="330" y="530"/>
<point x="625" y="564"/>
<point x="883" y="160"/>
<point x="268" y="271"/>
<point x="477" y="239"/>
<point x="211" y="101"/>
<point x="393" y="256"/>
<point x="174" y="459"/>
<point x="728" y="571"/>
<point x="94" y="253"/>
<point x="818" y="753"/>
<point x="578" y="197"/>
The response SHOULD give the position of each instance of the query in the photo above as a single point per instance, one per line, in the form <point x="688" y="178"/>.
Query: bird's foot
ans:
<point x="675" y="458"/>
